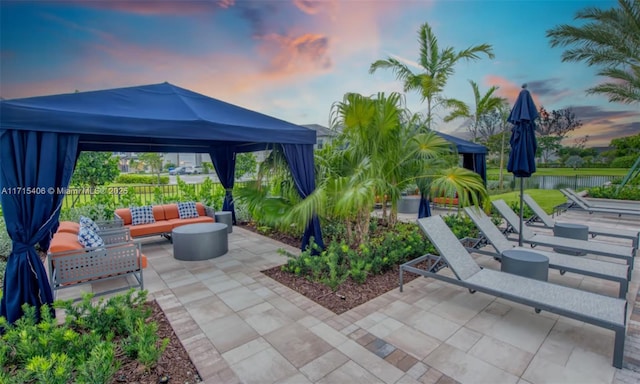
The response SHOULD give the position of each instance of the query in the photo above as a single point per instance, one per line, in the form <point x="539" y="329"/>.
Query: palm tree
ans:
<point x="609" y="39"/>
<point x="484" y="104"/>
<point x="381" y="151"/>
<point x="437" y="65"/>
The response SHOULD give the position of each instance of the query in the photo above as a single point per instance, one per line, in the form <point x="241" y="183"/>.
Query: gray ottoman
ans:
<point x="571" y="231"/>
<point x="525" y="263"/>
<point x="193" y="242"/>
<point x="225" y="217"/>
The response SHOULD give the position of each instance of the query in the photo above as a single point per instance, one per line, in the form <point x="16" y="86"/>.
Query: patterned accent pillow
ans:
<point x="187" y="210"/>
<point x="89" y="238"/>
<point x="88" y="223"/>
<point x="142" y="215"/>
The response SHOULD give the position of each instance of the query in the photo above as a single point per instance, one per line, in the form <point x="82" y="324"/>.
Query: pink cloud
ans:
<point x="292" y="55"/>
<point x="310" y="7"/>
<point x="507" y="89"/>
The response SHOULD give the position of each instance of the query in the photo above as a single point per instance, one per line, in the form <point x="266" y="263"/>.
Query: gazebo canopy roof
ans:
<point x="463" y="146"/>
<point x="156" y="118"/>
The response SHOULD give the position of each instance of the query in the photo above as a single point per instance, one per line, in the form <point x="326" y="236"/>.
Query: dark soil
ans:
<point x="347" y="296"/>
<point x="174" y="365"/>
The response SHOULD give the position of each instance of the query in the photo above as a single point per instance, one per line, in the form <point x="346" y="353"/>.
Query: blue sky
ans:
<point x="292" y="59"/>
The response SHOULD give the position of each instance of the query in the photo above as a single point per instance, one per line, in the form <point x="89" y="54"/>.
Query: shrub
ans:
<point x="629" y="192"/>
<point x="128" y="178"/>
<point x="461" y="226"/>
<point x="624" y="161"/>
<point x="83" y="349"/>
<point x="338" y="261"/>
<point x="5" y="241"/>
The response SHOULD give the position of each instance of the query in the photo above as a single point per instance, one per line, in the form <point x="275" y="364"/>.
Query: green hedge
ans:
<point x="624" y="161"/>
<point x="129" y="178"/>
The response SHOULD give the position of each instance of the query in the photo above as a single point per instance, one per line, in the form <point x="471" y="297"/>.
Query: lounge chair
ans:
<point x="593" y="247"/>
<point x="604" y="203"/>
<point x="577" y="200"/>
<point x="602" y="311"/>
<point x="549" y="222"/>
<point x="565" y="263"/>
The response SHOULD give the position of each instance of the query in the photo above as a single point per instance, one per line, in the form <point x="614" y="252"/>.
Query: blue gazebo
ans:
<point x="41" y="138"/>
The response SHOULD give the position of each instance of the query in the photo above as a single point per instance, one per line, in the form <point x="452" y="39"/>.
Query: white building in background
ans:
<point x="324" y="136"/>
<point x="186" y="159"/>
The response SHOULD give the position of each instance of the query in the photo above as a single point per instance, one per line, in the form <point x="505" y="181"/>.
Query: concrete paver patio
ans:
<point x="240" y="326"/>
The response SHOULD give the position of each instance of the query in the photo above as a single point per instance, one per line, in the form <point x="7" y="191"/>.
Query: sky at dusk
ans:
<point x="293" y="58"/>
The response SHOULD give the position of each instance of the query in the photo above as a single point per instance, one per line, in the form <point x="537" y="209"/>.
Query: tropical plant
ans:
<point x="245" y="164"/>
<point x="438" y="65"/>
<point x="494" y="122"/>
<point x="484" y="104"/>
<point x="609" y="39"/>
<point x="381" y="150"/>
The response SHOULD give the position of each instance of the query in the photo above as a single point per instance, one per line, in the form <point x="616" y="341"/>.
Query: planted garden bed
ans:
<point x="127" y="339"/>
<point x="343" y="277"/>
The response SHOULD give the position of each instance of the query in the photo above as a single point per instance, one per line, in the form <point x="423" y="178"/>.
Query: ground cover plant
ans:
<point x="341" y="277"/>
<point x="112" y="340"/>
<point x="629" y="192"/>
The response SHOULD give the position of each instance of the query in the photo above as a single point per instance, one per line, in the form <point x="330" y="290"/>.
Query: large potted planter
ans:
<point x="409" y="204"/>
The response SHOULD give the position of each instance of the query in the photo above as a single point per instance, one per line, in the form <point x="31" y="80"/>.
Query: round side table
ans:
<point x="202" y="241"/>
<point x="571" y="231"/>
<point x="225" y="217"/>
<point x="525" y="263"/>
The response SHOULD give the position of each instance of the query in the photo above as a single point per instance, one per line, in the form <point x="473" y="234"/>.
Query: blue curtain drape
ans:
<point x="476" y="162"/>
<point x="224" y="161"/>
<point x="32" y="166"/>
<point x="301" y="163"/>
<point x="424" y="209"/>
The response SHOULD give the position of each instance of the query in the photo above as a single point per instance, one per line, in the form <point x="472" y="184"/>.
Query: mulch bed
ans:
<point x="347" y="296"/>
<point x="173" y="367"/>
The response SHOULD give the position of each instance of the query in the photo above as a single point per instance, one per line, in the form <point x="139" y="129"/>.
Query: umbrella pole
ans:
<point x="521" y="211"/>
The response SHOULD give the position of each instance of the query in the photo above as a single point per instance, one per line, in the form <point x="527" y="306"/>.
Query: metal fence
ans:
<point x="575" y="182"/>
<point x="147" y="194"/>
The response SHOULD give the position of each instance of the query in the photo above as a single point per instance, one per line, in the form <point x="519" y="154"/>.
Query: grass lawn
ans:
<point x="546" y="198"/>
<point x="568" y="172"/>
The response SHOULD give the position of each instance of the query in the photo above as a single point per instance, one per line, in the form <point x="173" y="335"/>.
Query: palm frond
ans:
<point x="461" y="182"/>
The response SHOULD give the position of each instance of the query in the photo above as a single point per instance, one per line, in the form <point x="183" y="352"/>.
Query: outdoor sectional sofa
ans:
<point x="165" y="218"/>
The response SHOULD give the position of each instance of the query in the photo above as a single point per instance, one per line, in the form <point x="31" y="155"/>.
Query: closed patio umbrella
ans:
<point x="522" y="158"/>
